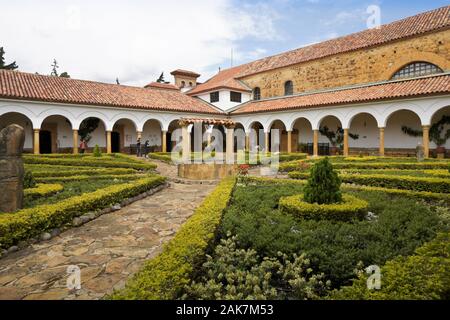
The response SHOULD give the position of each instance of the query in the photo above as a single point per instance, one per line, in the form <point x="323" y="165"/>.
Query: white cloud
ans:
<point x="134" y="40"/>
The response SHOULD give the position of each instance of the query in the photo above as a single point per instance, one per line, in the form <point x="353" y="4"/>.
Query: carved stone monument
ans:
<point x="12" y="139"/>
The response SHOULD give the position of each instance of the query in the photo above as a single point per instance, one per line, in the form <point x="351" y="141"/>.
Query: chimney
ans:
<point x="185" y="80"/>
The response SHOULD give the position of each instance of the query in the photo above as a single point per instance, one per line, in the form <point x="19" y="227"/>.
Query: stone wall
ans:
<point x="362" y="66"/>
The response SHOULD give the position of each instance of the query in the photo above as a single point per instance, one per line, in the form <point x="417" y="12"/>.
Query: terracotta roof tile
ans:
<point x="384" y="91"/>
<point x="412" y="26"/>
<point x="164" y="86"/>
<point x="27" y="86"/>
<point x="185" y="72"/>
<point x="223" y="80"/>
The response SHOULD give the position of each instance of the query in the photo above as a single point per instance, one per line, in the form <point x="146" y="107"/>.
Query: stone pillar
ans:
<point x="164" y="141"/>
<point x="108" y="142"/>
<point x="139" y="135"/>
<point x="345" y="142"/>
<point x="12" y="139"/>
<point x="75" y="141"/>
<point x="230" y="146"/>
<point x="426" y="141"/>
<point x="36" y="147"/>
<point x="186" y="144"/>
<point x="316" y="143"/>
<point x="289" y="141"/>
<point x="381" y="152"/>
<point x="247" y="142"/>
<point x="266" y="141"/>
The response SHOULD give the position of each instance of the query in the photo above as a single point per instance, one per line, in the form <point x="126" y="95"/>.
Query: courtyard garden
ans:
<point x="312" y="236"/>
<point x="59" y="188"/>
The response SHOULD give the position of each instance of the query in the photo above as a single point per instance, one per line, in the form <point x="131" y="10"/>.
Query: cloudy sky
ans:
<point x="135" y="40"/>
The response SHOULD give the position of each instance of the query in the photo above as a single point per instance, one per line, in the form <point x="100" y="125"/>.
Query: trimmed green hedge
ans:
<point x="164" y="277"/>
<point x="88" y="177"/>
<point x="347" y="210"/>
<point x="111" y="163"/>
<point x="28" y="223"/>
<point x="437" y="185"/>
<point x="42" y="190"/>
<point x="295" y="165"/>
<point x="423" y="276"/>
<point x="37" y="173"/>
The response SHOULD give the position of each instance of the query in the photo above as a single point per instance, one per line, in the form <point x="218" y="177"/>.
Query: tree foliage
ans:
<point x="3" y="65"/>
<point x="87" y="127"/>
<point x="323" y="185"/>
<point x="436" y="131"/>
<point x="336" y="137"/>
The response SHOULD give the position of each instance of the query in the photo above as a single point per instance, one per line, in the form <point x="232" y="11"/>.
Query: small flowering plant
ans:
<point x="243" y="173"/>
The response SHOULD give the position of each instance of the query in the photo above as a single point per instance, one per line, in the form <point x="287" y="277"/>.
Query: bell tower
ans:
<point x="185" y="80"/>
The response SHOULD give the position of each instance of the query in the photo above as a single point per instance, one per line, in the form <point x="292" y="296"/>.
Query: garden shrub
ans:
<point x="165" y="276"/>
<point x="399" y="226"/>
<point x="239" y="274"/>
<point x="91" y="162"/>
<point x="28" y="223"/>
<point x="28" y="180"/>
<point x="68" y="172"/>
<point x="422" y="276"/>
<point x="97" y="152"/>
<point x="89" y="177"/>
<point x="436" y="185"/>
<point x="42" y="190"/>
<point x="323" y="185"/>
<point x="348" y="209"/>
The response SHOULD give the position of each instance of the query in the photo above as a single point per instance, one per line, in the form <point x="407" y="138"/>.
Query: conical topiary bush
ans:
<point x="323" y="185"/>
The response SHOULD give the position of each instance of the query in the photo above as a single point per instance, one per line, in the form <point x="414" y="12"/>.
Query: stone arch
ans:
<point x="123" y="135"/>
<point x="55" y="112"/>
<point x="93" y="114"/>
<point x="302" y="135"/>
<point x="11" y="117"/>
<point x="23" y="111"/>
<point x="365" y="125"/>
<point x="98" y="136"/>
<point x="164" y="125"/>
<point x="56" y="134"/>
<point x="436" y="117"/>
<point x="396" y="141"/>
<point x="152" y="132"/>
<point x="409" y="106"/>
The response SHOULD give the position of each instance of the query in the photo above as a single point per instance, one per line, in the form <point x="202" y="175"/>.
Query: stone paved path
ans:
<point x="108" y="250"/>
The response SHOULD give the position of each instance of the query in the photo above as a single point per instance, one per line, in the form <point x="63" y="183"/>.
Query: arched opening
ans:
<point x="152" y="133"/>
<point x="171" y="135"/>
<point x="417" y="69"/>
<point x="124" y="137"/>
<point x="56" y="135"/>
<point x="23" y="121"/>
<point x="288" y="88"/>
<point x="93" y="131"/>
<point x="302" y="136"/>
<point x="440" y="133"/>
<point x="239" y="138"/>
<point x="282" y="134"/>
<point x="257" y="137"/>
<point x="366" y="127"/>
<point x="397" y="141"/>
<point x="331" y="136"/>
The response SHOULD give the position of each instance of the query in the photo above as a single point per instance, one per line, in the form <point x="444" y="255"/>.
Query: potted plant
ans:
<point x="336" y="138"/>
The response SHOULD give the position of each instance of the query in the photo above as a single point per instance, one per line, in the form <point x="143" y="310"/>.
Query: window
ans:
<point x="183" y="84"/>
<point x="214" y="97"/>
<point x="190" y="84"/>
<point x="235" y="96"/>
<point x="288" y="88"/>
<point x="417" y="69"/>
<point x="257" y="94"/>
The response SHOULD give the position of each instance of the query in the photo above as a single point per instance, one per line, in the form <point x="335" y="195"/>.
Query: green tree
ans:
<point x="336" y="138"/>
<point x="64" y="75"/>
<point x="3" y="65"/>
<point x="55" y="68"/>
<point x="324" y="185"/>
<point x="87" y="127"/>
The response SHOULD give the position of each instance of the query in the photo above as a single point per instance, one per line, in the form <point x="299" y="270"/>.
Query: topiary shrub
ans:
<point x="97" y="152"/>
<point x="350" y="208"/>
<point x="323" y="185"/>
<point x="28" y="180"/>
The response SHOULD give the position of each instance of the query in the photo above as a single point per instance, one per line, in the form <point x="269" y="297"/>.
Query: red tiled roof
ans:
<point x="223" y="80"/>
<point x="384" y="91"/>
<point x="185" y="73"/>
<point x="164" y="86"/>
<point x="412" y="26"/>
<point x="27" y="86"/>
<point x="209" y="121"/>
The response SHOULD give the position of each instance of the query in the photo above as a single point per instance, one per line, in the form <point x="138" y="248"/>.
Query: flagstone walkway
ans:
<point x="108" y="250"/>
